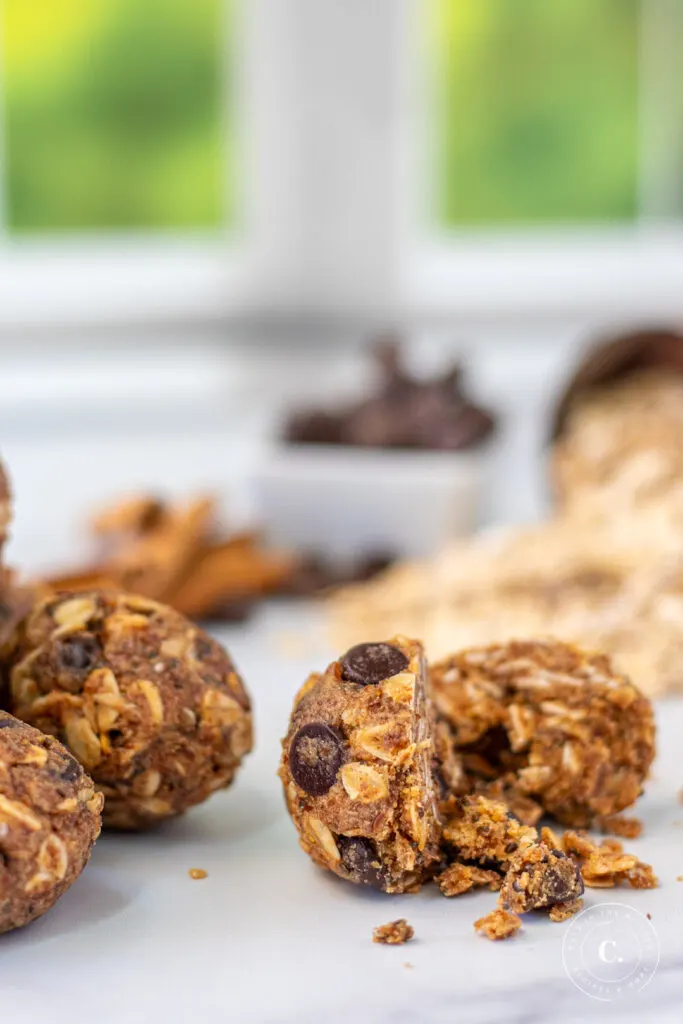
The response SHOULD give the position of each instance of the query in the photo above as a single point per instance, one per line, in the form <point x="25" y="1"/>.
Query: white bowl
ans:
<point x="344" y="502"/>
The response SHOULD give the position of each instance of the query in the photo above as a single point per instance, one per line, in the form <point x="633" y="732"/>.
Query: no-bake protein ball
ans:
<point x="547" y="727"/>
<point x="148" y="703"/>
<point x="357" y="767"/>
<point x="49" y="820"/>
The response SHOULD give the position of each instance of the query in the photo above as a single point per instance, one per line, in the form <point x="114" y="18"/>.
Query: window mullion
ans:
<point x="328" y="150"/>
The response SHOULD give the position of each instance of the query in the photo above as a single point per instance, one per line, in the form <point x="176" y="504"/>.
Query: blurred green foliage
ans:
<point x="537" y="117"/>
<point x="115" y="114"/>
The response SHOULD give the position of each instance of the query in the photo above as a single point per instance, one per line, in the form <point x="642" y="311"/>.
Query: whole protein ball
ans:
<point x="358" y="770"/>
<point x="49" y="820"/>
<point x="546" y="727"/>
<point x="148" y="702"/>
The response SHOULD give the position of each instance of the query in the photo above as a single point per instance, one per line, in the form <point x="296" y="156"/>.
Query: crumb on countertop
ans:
<point x="563" y="911"/>
<point x="198" y="873"/>
<point x="459" y="878"/>
<point x="605" y="865"/>
<point x="395" y="933"/>
<point x="499" y="924"/>
<point x="621" y="825"/>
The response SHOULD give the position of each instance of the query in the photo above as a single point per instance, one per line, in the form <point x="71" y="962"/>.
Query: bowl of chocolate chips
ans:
<point x="399" y="469"/>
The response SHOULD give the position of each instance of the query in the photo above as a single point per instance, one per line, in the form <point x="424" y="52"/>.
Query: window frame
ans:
<point x="605" y="271"/>
<point x="330" y="109"/>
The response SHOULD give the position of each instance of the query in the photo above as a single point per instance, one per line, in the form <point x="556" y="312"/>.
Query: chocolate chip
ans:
<point x="71" y="770"/>
<point x="371" y="663"/>
<point x="203" y="648"/>
<point x="402" y="411"/>
<point x="315" y="756"/>
<point x="360" y="859"/>
<point x="79" y="652"/>
<point x="560" y="887"/>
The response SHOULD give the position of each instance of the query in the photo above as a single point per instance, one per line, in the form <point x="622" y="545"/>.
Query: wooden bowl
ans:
<point x="615" y="357"/>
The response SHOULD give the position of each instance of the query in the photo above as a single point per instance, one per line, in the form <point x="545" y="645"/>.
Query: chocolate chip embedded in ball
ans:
<point x="79" y="652"/>
<point x="371" y="663"/>
<point x="315" y="756"/>
<point x="71" y="770"/>
<point x="360" y="859"/>
<point x="563" y="881"/>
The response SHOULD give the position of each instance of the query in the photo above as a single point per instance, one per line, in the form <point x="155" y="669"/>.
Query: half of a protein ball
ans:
<point x="357" y="767"/>
<point x="49" y="820"/>
<point x="545" y="726"/>
<point x="149" y="703"/>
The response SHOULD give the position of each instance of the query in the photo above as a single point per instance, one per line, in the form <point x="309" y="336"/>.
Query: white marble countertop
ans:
<point x="269" y="937"/>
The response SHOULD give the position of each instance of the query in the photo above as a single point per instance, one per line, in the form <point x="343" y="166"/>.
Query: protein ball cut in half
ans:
<point x="546" y="727"/>
<point x="147" y="701"/>
<point x="357" y="767"/>
<point x="49" y="819"/>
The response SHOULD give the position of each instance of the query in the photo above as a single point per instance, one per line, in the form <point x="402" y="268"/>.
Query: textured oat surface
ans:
<point x="49" y="820"/>
<point x="603" y="864"/>
<point x="484" y="844"/>
<point x="620" y="446"/>
<point x="357" y="768"/>
<point x="540" y="878"/>
<point x="546" y="727"/>
<point x="395" y="933"/>
<point x="148" y="702"/>
<point x="499" y="924"/>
